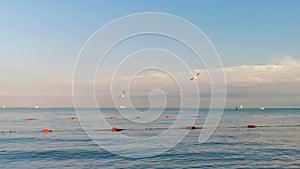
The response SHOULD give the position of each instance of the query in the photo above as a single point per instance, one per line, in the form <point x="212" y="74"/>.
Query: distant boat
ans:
<point x="241" y="106"/>
<point x="122" y="107"/>
<point x="3" y="107"/>
<point x="262" y="108"/>
<point x="123" y="94"/>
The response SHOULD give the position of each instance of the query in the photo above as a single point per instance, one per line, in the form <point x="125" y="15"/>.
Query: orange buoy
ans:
<point x="74" y="118"/>
<point x="251" y="126"/>
<point x="267" y="115"/>
<point x="168" y="117"/>
<point x="115" y="129"/>
<point x="222" y="116"/>
<point x="113" y="117"/>
<point x="286" y="116"/>
<point x="30" y="118"/>
<point x="46" y="130"/>
<point x="191" y="127"/>
<point x="196" y="116"/>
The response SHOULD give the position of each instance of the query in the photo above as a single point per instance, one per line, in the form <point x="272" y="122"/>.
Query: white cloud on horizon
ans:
<point x="275" y="84"/>
<point x="285" y="71"/>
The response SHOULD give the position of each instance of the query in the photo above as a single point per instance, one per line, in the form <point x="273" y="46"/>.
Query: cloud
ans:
<point x="273" y="84"/>
<point x="286" y="60"/>
<point x="278" y="81"/>
<point x="286" y="70"/>
<point x="276" y="84"/>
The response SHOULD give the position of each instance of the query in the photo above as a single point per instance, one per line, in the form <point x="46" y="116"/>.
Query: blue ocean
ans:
<point x="274" y="143"/>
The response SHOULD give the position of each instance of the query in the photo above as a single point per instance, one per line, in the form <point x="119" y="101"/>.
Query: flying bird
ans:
<point x="196" y="76"/>
<point x="123" y="94"/>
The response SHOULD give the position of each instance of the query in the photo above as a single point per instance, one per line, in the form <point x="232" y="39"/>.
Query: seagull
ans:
<point x="123" y="94"/>
<point x="195" y="76"/>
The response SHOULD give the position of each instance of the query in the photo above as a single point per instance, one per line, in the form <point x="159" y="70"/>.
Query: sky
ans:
<point x="257" y="41"/>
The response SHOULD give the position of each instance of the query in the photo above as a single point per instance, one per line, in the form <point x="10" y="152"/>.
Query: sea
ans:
<point x="274" y="143"/>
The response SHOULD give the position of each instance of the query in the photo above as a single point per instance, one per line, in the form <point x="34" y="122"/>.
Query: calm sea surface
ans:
<point x="275" y="143"/>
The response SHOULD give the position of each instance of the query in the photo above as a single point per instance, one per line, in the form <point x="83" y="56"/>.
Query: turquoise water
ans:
<point x="273" y="144"/>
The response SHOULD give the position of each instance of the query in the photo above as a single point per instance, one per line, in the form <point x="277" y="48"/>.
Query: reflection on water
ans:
<point x="274" y="143"/>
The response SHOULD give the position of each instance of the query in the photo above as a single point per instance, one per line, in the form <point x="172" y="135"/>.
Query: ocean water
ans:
<point x="275" y="143"/>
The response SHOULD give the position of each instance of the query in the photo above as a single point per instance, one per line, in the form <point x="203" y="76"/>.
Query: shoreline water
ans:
<point x="232" y="145"/>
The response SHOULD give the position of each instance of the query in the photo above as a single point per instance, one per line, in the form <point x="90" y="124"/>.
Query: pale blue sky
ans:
<point x="40" y="40"/>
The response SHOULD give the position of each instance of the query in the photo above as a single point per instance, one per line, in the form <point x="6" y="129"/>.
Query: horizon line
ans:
<point x="68" y="107"/>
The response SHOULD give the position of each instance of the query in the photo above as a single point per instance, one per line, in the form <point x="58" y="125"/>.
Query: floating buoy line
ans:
<point x="191" y="127"/>
<point x="116" y="129"/>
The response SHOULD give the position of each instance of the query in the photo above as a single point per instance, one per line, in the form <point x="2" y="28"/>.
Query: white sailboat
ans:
<point x="122" y="107"/>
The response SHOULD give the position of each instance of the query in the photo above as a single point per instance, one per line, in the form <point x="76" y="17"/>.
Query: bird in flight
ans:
<point x="123" y="94"/>
<point x="195" y="76"/>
